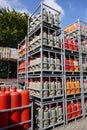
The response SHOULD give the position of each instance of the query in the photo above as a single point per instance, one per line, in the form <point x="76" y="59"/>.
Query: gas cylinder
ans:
<point x="45" y="87"/>
<point x="38" y="87"/>
<point x="86" y="105"/>
<point x="45" y="15"/>
<point x="45" y="112"/>
<point x="75" y="46"/>
<point x="56" y="20"/>
<point x="46" y="117"/>
<point x="58" y="87"/>
<point x="76" y="65"/>
<point x="4" y="104"/>
<point x="83" y="46"/>
<point x="85" y="85"/>
<point x="52" y="87"/>
<point x="69" y="111"/>
<point x="74" y="110"/>
<point x="77" y="86"/>
<point x="73" y="86"/>
<point x="38" y="60"/>
<point x="25" y="112"/>
<point x="51" y="39"/>
<point x="52" y="115"/>
<point x="67" y="67"/>
<point x="50" y="18"/>
<point x="78" y="108"/>
<point x="15" y="115"/>
<point x="68" y="88"/>
<point x="66" y="43"/>
<point x="70" y="44"/>
<point x="57" y="63"/>
<point x="45" y="38"/>
<point x="45" y="59"/>
<point x="60" y="113"/>
<point x="52" y="63"/>
<point x="71" y="62"/>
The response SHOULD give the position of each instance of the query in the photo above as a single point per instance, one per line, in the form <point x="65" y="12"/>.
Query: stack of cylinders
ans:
<point x="73" y="86"/>
<point x="15" y="115"/>
<point x="73" y="109"/>
<point x="25" y="112"/>
<point x="4" y="104"/>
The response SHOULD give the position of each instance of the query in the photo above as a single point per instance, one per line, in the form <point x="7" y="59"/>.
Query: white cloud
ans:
<point x="55" y="5"/>
<point x="13" y="4"/>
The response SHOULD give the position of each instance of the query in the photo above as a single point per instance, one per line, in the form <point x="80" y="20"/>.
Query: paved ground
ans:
<point x="80" y="124"/>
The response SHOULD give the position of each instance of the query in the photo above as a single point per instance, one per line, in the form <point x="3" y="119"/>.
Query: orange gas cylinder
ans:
<point x="69" y="111"/>
<point x="15" y="115"/>
<point x="71" y="62"/>
<point x="4" y="104"/>
<point x="73" y="86"/>
<point x="25" y="113"/>
<point x="78" y="108"/>
<point x="74" y="110"/>
<point x="76" y="64"/>
<point x="68" y="91"/>
<point x="77" y="86"/>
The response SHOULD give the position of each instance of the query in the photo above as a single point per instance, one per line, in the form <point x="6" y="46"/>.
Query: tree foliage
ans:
<point x="13" y="27"/>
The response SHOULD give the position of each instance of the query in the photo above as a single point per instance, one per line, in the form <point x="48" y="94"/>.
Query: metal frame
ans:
<point x="77" y="34"/>
<point x="46" y="49"/>
<point x="17" y="108"/>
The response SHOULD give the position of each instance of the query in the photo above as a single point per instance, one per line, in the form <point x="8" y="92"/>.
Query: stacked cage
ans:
<point x="73" y="78"/>
<point x="22" y="63"/>
<point x="45" y="67"/>
<point x="83" y="39"/>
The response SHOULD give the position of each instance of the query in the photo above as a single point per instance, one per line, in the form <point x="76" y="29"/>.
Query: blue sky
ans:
<point x="71" y="9"/>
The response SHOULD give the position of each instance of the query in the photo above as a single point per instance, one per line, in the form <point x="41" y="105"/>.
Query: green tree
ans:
<point x="13" y="27"/>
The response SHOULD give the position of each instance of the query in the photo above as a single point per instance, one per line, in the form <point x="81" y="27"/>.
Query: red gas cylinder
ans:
<point x="66" y="43"/>
<point x="4" y="104"/>
<point x="75" y="46"/>
<point x="67" y="65"/>
<point x="15" y="115"/>
<point x="71" y="61"/>
<point x="74" y="110"/>
<point x="69" y="111"/>
<point x="78" y="108"/>
<point x="70" y="44"/>
<point x="25" y="112"/>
